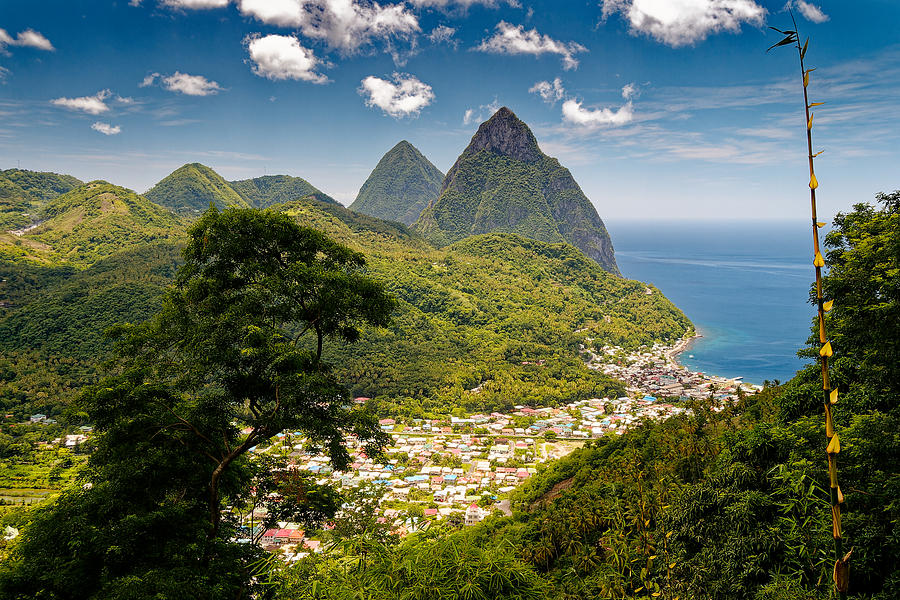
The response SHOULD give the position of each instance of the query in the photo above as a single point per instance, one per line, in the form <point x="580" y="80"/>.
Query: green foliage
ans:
<point x="263" y="192"/>
<point x="422" y="568"/>
<point x="192" y="188"/>
<point x="403" y="183"/>
<point x="222" y="368"/>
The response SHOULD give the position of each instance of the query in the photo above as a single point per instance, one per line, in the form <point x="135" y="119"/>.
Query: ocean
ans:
<point x="745" y="286"/>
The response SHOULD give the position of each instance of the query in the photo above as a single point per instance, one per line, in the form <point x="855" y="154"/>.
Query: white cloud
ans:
<point x="512" y="39"/>
<point x="4" y="72"/>
<point x="190" y="85"/>
<point x="344" y="24"/>
<point x="441" y="34"/>
<point x="93" y="105"/>
<point x="476" y="115"/>
<point x="280" y="57"/>
<point x="149" y="80"/>
<point x="192" y="4"/>
<point x="405" y="95"/>
<point x="550" y="92"/>
<point x="464" y="4"/>
<point x="685" y="22"/>
<point x="26" y="39"/>
<point x="106" y="128"/>
<point x="810" y="11"/>
<point x="574" y="113"/>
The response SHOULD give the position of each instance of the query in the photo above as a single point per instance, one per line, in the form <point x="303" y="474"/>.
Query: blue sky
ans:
<point x="660" y="108"/>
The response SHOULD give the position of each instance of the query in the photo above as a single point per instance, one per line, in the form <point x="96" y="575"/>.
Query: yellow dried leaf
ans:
<point x="834" y="446"/>
<point x="820" y="224"/>
<point x="818" y="261"/>
<point x="833" y="396"/>
<point x="840" y="496"/>
<point x="672" y="566"/>
<point x="816" y="104"/>
<point x="806" y="79"/>
<point x="656" y="594"/>
<point x="818" y="153"/>
<point x="813" y="182"/>
<point x="828" y="305"/>
<point x="668" y="535"/>
<point x="826" y="350"/>
<point x="809" y="123"/>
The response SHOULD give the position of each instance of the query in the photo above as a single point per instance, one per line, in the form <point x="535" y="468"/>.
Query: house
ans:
<point x="473" y="515"/>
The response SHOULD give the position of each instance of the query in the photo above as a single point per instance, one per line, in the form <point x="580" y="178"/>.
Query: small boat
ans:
<point x="690" y="356"/>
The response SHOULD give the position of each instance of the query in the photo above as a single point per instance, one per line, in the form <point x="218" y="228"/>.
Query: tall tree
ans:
<point x="233" y="358"/>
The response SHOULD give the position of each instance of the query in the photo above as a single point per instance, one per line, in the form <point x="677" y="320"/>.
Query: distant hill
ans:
<point x="263" y="192"/>
<point x="22" y="193"/>
<point x="191" y="188"/>
<point x="503" y="182"/>
<point x="89" y="223"/>
<point x="403" y="183"/>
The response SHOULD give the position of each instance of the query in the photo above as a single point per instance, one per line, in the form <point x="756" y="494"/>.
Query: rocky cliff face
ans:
<point x="503" y="182"/>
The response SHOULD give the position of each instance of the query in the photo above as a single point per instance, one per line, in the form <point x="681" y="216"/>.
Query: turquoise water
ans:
<point x="744" y="285"/>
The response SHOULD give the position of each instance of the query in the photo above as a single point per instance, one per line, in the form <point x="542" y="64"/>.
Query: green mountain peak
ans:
<point x="265" y="191"/>
<point x="502" y="182"/>
<point x="192" y="187"/>
<point x="402" y="184"/>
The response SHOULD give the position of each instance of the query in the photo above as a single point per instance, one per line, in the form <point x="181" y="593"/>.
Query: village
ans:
<point x="455" y="471"/>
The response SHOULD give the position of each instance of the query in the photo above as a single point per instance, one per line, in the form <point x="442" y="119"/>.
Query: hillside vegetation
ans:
<point x="90" y="223"/>
<point x="23" y="193"/>
<point x="479" y="314"/>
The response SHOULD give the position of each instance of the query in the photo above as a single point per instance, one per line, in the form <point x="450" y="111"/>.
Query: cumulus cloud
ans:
<point x="685" y="22"/>
<point x="810" y="11"/>
<point x="92" y="105"/>
<point x="106" y="128"/>
<point x="550" y="92"/>
<point x="190" y="85"/>
<point x="512" y="39"/>
<point x="443" y="4"/>
<point x="442" y="34"/>
<point x="26" y="39"/>
<point x="403" y="95"/>
<point x="343" y="24"/>
<point x="280" y="57"/>
<point x="191" y="4"/>
<point x="573" y="112"/>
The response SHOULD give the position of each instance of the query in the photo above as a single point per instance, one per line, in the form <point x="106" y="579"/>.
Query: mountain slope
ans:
<point x="482" y="311"/>
<point x="22" y="193"/>
<point x="89" y="223"/>
<point x="402" y="184"/>
<point x="503" y="182"/>
<point x="263" y="192"/>
<point x="191" y="188"/>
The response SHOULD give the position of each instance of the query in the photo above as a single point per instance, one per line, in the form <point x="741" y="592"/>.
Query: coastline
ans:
<point x="676" y="350"/>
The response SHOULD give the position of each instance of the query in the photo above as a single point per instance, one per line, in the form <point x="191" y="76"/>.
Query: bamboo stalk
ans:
<point x="828" y="395"/>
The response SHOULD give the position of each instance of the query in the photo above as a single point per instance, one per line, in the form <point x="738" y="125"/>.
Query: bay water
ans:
<point x="745" y="285"/>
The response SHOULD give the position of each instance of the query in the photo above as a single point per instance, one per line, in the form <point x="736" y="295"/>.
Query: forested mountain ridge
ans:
<point x="503" y="182"/>
<point x="262" y="192"/>
<point x="402" y="184"/>
<point x="191" y="188"/>
<point x="468" y="314"/>
<point x="23" y="193"/>
<point x="89" y="223"/>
